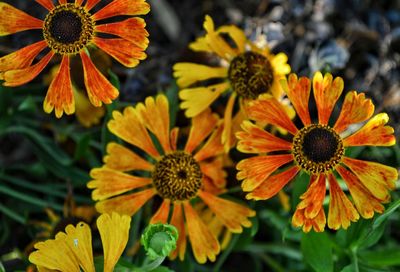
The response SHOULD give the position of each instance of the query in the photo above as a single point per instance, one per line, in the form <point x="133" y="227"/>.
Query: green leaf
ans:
<point x="349" y="268"/>
<point x="381" y="258"/>
<point x="172" y="95"/>
<point x="383" y="217"/>
<point x="300" y="185"/>
<point x="317" y="251"/>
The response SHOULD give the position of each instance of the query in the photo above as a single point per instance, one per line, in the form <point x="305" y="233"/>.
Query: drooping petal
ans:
<point x="204" y="244"/>
<point x="254" y="139"/>
<point x="161" y="216"/>
<point x="233" y="215"/>
<point x="132" y="29"/>
<point x="189" y="73"/>
<point x="19" y="77"/>
<point x="317" y="223"/>
<point x="154" y="114"/>
<point x="178" y="221"/>
<point x="341" y="210"/>
<point x="126" y="204"/>
<point x="129" y="128"/>
<point x="267" y="110"/>
<point x="121" y="158"/>
<point x="122" y="7"/>
<point x="60" y="96"/>
<point x="48" y="4"/>
<point x="87" y="114"/>
<point x="374" y="133"/>
<point x="379" y="179"/>
<point x="365" y="202"/>
<point x="214" y="170"/>
<point x="196" y="100"/>
<point x="202" y="125"/>
<point x="298" y="92"/>
<point x="55" y="254"/>
<point x="22" y="58"/>
<point x="108" y="182"/>
<point x="257" y="169"/>
<point x="355" y="109"/>
<point x="326" y="93"/>
<point x="114" y="233"/>
<point x="90" y="4"/>
<point x="79" y="239"/>
<point x="313" y="198"/>
<point x="99" y="89"/>
<point x="213" y="147"/>
<point x="273" y="184"/>
<point x="15" y="20"/>
<point x="227" y="132"/>
<point x="126" y="52"/>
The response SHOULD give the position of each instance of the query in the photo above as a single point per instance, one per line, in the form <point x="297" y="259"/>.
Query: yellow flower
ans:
<point x="72" y="250"/>
<point x="318" y="148"/>
<point x="174" y="173"/>
<point x="244" y="70"/>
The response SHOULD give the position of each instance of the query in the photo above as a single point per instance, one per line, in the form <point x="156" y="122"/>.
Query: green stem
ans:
<point x="271" y="263"/>
<point x="12" y="214"/>
<point x="226" y="253"/>
<point x="355" y="259"/>
<point x="150" y="265"/>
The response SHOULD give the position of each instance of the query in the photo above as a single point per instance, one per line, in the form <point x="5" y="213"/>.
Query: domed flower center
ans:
<point x="68" y="29"/>
<point x="177" y="176"/>
<point x="250" y="74"/>
<point x="317" y="148"/>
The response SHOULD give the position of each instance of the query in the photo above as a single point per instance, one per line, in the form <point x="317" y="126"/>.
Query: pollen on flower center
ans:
<point x="317" y="148"/>
<point x="177" y="176"/>
<point x="68" y="29"/>
<point x="250" y="74"/>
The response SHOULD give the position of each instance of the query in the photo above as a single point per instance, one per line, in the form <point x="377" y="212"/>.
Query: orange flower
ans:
<point x="175" y="174"/>
<point x="244" y="70"/>
<point x="69" y="29"/>
<point x="318" y="149"/>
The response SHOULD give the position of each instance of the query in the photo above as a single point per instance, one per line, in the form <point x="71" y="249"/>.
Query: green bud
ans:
<point x="159" y="240"/>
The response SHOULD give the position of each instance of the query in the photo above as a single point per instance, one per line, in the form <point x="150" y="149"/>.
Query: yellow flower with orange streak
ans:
<point x="72" y="249"/>
<point x="177" y="175"/>
<point x="318" y="149"/>
<point x="244" y="70"/>
<point x="68" y="30"/>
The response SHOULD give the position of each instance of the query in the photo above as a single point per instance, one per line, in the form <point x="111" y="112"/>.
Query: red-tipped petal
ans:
<point x="90" y="4"/>
<point x="62" y="2"/>
<point x="48" y="4"/>
<point x="161" y="216"/>
<point x="122" y="7"/>
<point x="14" y="20"/>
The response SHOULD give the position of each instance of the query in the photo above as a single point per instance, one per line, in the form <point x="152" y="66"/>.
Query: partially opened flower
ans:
<point x="175" y="174"/>
<point x="68" y="30"/>
<point x="244" y="70"/>
<point x="72" y="250"/>
<point x="317" y="148"/>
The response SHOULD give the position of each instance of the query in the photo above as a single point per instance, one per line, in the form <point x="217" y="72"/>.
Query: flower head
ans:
<point x="244" y="70"/>
<point x="159" y="240"/>
<point x="72" y="250"/>
<point x="68" y="30"/>
<point x="318" y="148"/>
<point x="175" y="174"/>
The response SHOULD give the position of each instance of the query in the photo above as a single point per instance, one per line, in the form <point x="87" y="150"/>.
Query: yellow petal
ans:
<point x="189" y="73"/>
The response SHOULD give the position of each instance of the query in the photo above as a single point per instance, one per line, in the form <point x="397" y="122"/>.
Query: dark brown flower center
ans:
<point x="66" y="27"/>
<point x="317" y="148"/>
<point x="250" y="75"/>
<point x="177" y="176"/>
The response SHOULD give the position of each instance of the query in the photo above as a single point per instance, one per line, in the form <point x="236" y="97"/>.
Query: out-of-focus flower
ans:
<point x="328" y="57"/>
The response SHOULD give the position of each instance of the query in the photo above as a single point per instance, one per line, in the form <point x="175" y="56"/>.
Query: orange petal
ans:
<point x="341" y="210"/>
<point x="98" y="87"/>
<point x="126" y="52"/>
<point x="22" y="58"/>
<point x="161" y="216"/>
<point x="374" y="133"/>
<point x="267" y="110"/>
<point x="255" y="170"/>
<point x="365" y="202"/>
<point x="108" y="183"/>
<point x="214" y="170"/>
<point x="132" y="29"/>
<point x="48" y="4"/>
<point x="188" y="73"/>
<point x="22" y="76"/>
<point x="212" y="187"/>
<point x="15" y="20"/>
<point x="298" y="92"/>
<point x="204" y="244"/>
<point x="60" y="96"/>
<point x="227" y="133"/>
<point x="376" y="177"/>
<point x="317" y="223"/>
<point x="313" y="198"/>
<point x="178" y="222"/>
<point x="202" y="125"/>
<point x="274" y="184"/>
<point x="90" y="4"/>
<point x="231" y="214"/>
<point x="355" y="109"/>
<point x="122" y="159"/>
<point x="213" y="147"/>
<point x="126" y="204"/>
<point x="122" y="7"/>
<point x="254" y="139"/>
<point x="78" y="2"/>
<point x="154" y="114"/>
<point x="174" y="138"/>
<point x="62" y="2"/>
<point x="128" y="127"/>
<point x="326" y="93"/>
